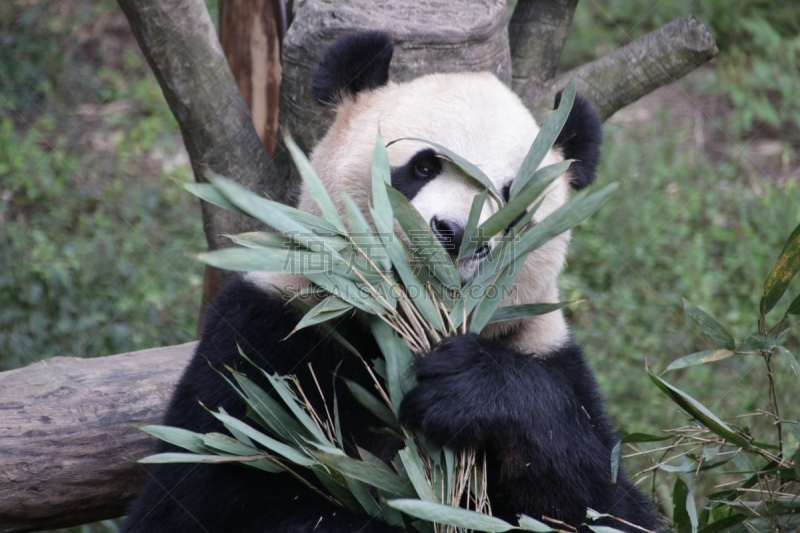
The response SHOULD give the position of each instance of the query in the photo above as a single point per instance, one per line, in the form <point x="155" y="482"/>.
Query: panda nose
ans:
<point x="449" y="233"/>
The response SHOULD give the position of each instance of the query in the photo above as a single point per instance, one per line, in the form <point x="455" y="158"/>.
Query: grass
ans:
<point x="94" y="233"/>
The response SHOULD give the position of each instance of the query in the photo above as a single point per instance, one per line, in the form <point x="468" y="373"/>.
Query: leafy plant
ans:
<point x="413" y="297"/>
<point x="765" y="492"/>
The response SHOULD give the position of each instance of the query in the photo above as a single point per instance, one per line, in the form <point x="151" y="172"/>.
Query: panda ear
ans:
<point x="580" y="139"/>
<point x="353" y="63"/>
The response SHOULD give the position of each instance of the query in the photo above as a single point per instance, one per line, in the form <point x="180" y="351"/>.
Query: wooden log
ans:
<point x="632" y="71"/>
<point x="69" y="434"/>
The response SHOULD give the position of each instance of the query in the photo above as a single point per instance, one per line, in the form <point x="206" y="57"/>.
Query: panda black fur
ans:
<point x="521" y="392"/>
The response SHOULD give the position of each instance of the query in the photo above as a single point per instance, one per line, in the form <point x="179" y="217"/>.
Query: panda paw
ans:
<point x="461" y="399"/>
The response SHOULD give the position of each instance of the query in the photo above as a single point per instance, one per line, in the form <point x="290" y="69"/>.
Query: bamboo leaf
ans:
<point x="412" y="463"/>
<point x="790" y="358"/>
<point x="547" y="135"/>
<point x="422" y="240"/>
<point x="209" y="193"/>
<point x="454" y="516"/>
<point x="381" y="177"/>
<point x="314" y="185"/>
<point x="791" y="440"/>
<point x="785" y="268"/>
<point x="364" y="240"/>
<point x="699" y="412"/>
<point x="699" y="358"/>
<point x="469" y="242"/>
<point x="398" y="361"/>
<point x="228" y="445"/>
<point x="287" y="395"/>
<point x="794" y="307"/>
<point x="371" y="403"/>
<point x="328" y="309"/>
<point x="161" y="458"/>
<point x="713" y="329"/>
<point x="182" y="438"/>
<point x="368" y="473"/>
<point x="514" y="312"/>
<point x="526" y="523"/>
<point x="284" y="450"/>
<point x="269" y="411"/>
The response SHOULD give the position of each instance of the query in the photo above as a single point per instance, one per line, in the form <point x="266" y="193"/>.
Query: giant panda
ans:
<point x="521" y="392"/>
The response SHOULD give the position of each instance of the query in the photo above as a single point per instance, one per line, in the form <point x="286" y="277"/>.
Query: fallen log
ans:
<point x="69" y="434"/>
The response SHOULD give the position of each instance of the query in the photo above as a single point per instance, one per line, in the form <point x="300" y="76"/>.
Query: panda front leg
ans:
<point x="539" y="419"/>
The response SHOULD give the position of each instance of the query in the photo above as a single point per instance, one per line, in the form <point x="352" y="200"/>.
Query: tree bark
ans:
<point x="69" y="434"/>
<point x="536" y="35"/>
<point x="628" y="73"/>
<point x="250" y="32"/>
<point x="179" y="42"/>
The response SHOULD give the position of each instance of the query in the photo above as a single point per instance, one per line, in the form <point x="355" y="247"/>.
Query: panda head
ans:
<point x="474" y="115"/>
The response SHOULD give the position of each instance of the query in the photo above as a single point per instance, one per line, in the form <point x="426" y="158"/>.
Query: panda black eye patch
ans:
<point x="419" y="170"/>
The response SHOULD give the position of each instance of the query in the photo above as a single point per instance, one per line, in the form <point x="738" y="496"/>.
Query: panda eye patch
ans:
<point x="411" y="177"/>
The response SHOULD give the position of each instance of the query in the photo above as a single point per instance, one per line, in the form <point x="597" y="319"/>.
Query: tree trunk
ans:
<point x="250" y="32"/>
<point x="69" y="434"/>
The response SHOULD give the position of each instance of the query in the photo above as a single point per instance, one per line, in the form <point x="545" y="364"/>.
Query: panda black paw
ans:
<point x="461" y="397"/>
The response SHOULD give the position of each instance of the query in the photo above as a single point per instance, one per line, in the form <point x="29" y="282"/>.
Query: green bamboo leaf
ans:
<point x="368" y="473"/>
<point x="604" y="529"/>
<point x="469" y="242"/>
<point x="381" y="177"/>
<point x="182" y="438"/>
<point x="314" y="185"/>
<point x="328" y="309"/>
<point x="365" y="499"/>
<point x="279" y="216"/>
<point x="397" y="255"/>
<point x="268" y="410"/>
<point x="467" y="168"/>
<point x="371" y="403"/>
<point x="616" y="452"/>
<point x="699" y="412"/>
<point x="161" y="458"/>
<point x="514" y="312"/>
<point x="412" y="463"/>
<point x="794" y="307"/>
<point x="422" y="239"/>
<point x="260" y="239"/>
<point x="284" y="450"/>
<point x="209" y="193"/>
<point x="713" y="329"/>
<point x="454" y="516"/>
<point x="287" y="395"/>
<point x="503" y="218"/>
<point x="398" y="357"/>
<point x="225" y="444"/>
<point x="790" y="358"/>
<point x="699" y="358"/>
<point x="526" y="523"/>
<point x="337" y="489"/>
<point x="362" y="237"/>
<point x="544" y="140"/>
<point x="785" y="268"/>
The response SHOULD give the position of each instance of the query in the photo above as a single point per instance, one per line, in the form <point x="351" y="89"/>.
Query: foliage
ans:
<point x="763" y="462"/>
<point x="759" y="46"/>
<point x="93" y="231"/>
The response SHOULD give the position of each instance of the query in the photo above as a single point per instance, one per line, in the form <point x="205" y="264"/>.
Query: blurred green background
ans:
<point x="95" y="233"/>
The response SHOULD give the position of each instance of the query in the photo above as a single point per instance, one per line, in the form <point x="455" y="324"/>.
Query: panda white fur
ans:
<point x="522" y="392"/>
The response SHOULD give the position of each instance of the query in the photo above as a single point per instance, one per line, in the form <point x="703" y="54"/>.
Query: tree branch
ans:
<point x="69" y="437"/>
<point x="628" y="73"/>
<point x="179" y="41"/>
<point x="536" y="35"/>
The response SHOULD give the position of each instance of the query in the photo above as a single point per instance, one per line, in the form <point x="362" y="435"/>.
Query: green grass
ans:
<point x="94" y="233"/>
